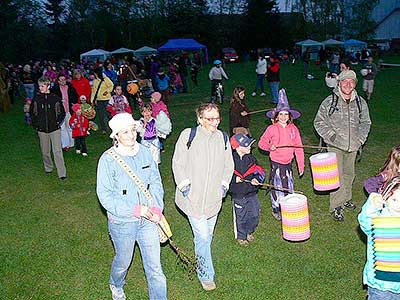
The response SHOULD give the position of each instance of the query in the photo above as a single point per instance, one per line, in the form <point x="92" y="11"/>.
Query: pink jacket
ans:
<point x="278" y="135"/>
<point x="157" y="107"/>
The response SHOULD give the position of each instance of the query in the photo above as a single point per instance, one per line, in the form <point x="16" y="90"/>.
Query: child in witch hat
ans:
<point x="282" y="133"/>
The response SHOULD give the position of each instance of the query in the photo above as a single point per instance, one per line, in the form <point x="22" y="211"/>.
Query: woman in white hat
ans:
<point x="131" y="218"/>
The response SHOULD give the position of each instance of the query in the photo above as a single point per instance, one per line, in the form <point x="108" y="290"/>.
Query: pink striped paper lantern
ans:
<point x="295" y="218"/>
<point x="325" y="172"/>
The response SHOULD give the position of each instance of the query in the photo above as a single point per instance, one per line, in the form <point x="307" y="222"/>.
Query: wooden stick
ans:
<point x="304" y="146"/>
<point x="275" y="187"/>
<point x="258" y="111"/>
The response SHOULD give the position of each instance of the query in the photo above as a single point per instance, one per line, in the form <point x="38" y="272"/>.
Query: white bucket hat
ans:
<point x="122" y="121"/>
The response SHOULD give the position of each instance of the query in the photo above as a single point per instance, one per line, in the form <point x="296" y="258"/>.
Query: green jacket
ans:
<point x="347" y="125"/>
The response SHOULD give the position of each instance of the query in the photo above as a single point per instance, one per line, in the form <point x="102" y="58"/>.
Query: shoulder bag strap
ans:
<point x="132" y="175"/>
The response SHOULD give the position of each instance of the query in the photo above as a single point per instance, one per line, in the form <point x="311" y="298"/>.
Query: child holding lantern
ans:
<point x="246" y="180"/>
<point x="283" y="141"/>
<point x="381" y="271"/>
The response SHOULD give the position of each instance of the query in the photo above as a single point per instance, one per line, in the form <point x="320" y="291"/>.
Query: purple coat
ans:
<point x="374" y="184"/>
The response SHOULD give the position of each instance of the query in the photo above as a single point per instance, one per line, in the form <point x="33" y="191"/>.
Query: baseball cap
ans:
<point x="241" y="140"/>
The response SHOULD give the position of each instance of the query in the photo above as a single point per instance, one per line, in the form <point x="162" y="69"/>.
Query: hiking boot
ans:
<point x="253" y="94"/>
<point x="337" y="214"/>
<point x="250" y="237"/>
<point x="117" y="293"/>
<point x="208" y="285"/>
<point x="276" y="215"/>
<point x="349" y="205"/>
<point x="243" y="243"/>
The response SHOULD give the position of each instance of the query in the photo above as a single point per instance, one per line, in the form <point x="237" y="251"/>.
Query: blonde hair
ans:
<point x="390" y="168"/>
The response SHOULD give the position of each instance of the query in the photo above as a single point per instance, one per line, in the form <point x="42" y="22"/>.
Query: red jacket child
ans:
<point x="78" y="123"/>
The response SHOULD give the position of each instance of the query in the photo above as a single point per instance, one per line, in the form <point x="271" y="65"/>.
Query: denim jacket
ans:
<point x="117" y="192"/>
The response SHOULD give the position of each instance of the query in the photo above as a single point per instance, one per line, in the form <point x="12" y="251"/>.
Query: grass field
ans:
<point x="54" y="240"/>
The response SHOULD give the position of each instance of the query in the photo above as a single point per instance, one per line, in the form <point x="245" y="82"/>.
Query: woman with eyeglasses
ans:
<point x="282" y="133"/>
<point x="203" y="167"/>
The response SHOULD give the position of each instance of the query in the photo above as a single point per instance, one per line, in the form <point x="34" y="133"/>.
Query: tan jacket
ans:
<point x="105" y="90"/>
<point x="206" y="166"/>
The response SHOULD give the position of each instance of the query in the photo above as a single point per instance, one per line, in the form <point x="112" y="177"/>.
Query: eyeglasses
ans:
<point x="212" y="119"/>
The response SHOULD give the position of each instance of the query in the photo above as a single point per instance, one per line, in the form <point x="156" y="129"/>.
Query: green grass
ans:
<point x="54" y="240"/>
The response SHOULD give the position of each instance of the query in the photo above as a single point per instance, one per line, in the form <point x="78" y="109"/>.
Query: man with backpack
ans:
<point x="343" y="123"/>
<point x="203" y="167"/>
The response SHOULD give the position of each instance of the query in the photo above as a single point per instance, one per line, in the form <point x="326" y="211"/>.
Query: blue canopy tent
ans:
<point x="353" y="45"/>
<point x="183" y="44"/>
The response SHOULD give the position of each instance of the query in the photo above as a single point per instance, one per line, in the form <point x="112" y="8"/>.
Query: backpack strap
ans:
<point x="225" y="139"/>
<point x="192" y="134"/>
<point x="333" y="106"/>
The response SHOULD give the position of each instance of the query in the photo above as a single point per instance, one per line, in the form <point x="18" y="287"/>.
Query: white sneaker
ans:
<point x="208" y="285"/>
<point x="263" y="94"/>
<point x="84" y="154"/>
<point x="117" y="293"/>
<point x="78" y="151"/>
<point x="253" y="94"/>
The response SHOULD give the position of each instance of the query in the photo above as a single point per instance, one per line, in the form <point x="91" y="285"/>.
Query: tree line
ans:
<point x="56" y="29"/>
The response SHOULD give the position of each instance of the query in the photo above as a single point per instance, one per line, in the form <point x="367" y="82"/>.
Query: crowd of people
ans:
<point x="207" y="164"/>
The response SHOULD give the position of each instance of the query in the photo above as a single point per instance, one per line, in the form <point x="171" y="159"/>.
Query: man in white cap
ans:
<point x="343" y="122"/>
<point x="131" y="218"/>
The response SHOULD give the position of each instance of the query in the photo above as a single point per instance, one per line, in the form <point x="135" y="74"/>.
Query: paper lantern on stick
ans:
<point x="295" y="218"/>
<point x="386" y="240"/>
<point x="325" y="172"/>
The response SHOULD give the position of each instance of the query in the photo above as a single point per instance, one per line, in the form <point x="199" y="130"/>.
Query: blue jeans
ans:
<point x="203" y="230"/>
<point x="124" y="236"/>
<point x="260" y="83"/>
<point x="274" y="87"/>
<point x="375" y="294"/>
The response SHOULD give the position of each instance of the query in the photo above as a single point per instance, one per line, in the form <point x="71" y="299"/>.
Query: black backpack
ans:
<point x="193" y="132"/>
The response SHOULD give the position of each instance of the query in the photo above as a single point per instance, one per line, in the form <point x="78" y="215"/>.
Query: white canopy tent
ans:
<point x="95" y="54"/>
<point x="314" y="47"/>
<point x="332" y="43"/>
<point x="143" y="51"/>
<point x="123" y="51"/>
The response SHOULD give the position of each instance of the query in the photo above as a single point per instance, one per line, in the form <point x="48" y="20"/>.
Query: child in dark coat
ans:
<point x="247" y="177"/>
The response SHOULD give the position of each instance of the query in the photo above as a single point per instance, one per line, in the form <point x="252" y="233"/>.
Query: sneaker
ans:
<point x="250" y="237"/>
<point x="63" y="178"/>
<point x="84" y="154"/>
<point x="66" y="149"/>
<point x="208" y="285"/>
<point x="349" y="205"/>
<point x="276" y="215"/>
<point x="263" y="94"/>
<point x="243" y="243"/>
<point x="117" y="293"/>
<point x="104" y="132"/>
<point x="253" y="94"/>
<point x="337" y="214"/>
<point x="78" y="151"/>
